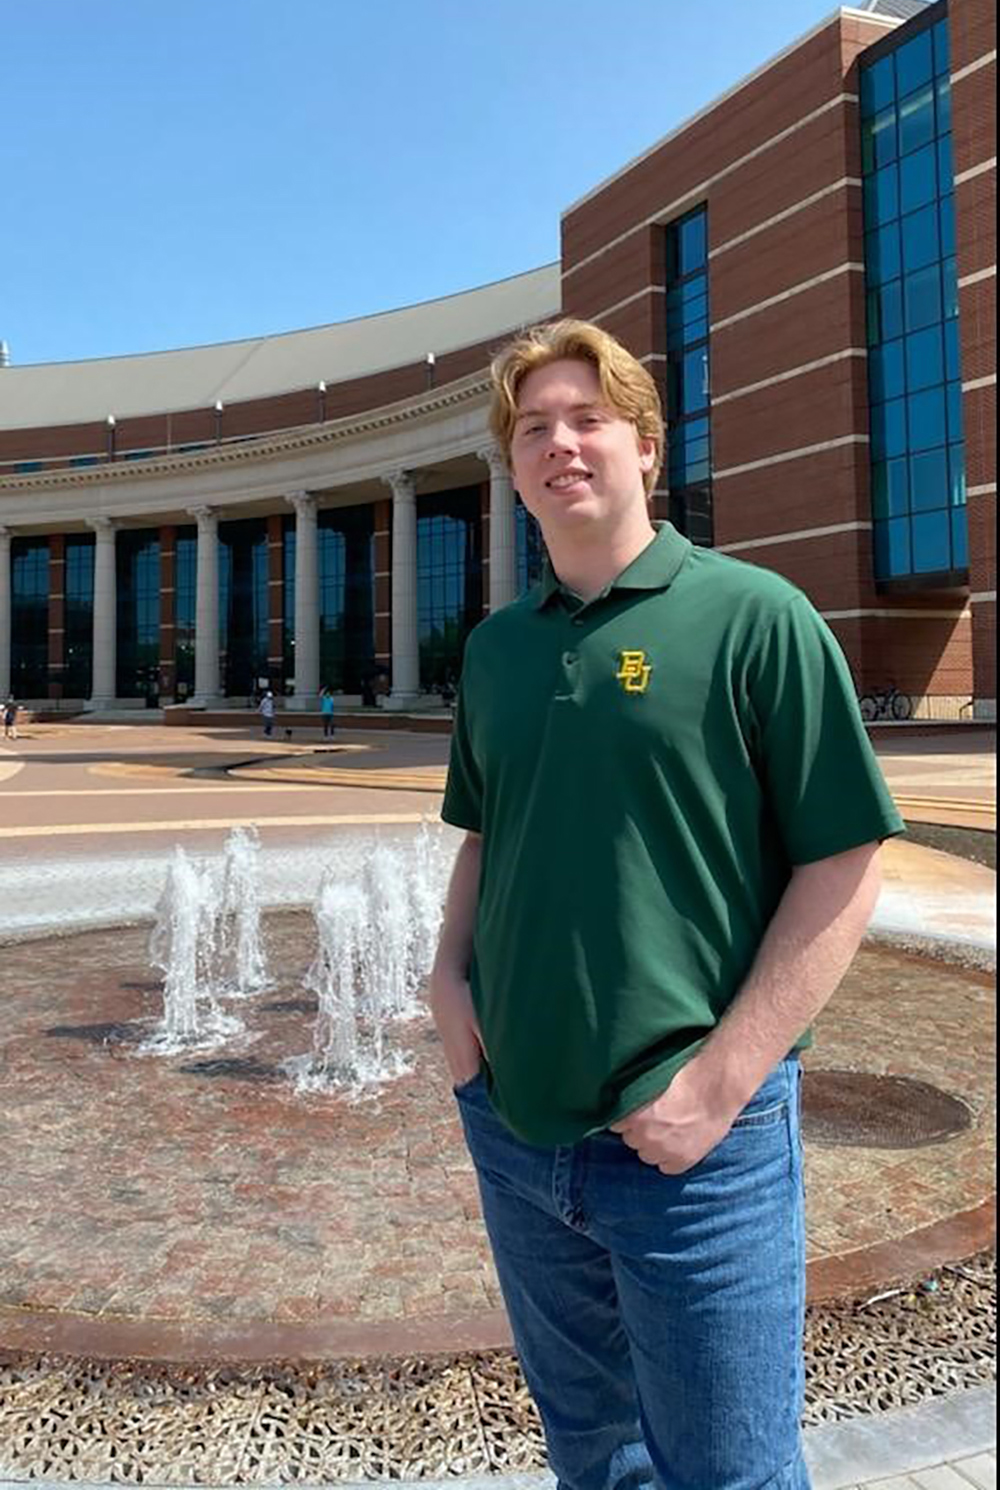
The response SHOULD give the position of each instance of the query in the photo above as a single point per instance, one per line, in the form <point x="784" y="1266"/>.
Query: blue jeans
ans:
<point x="658" y="1318"/>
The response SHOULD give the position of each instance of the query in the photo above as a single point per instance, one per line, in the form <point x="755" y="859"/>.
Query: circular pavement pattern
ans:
<point x="195" y="1207"/>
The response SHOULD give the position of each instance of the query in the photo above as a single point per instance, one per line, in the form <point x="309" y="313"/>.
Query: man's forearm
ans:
<point x="454" y="951"/>
<point x="806" y="950"/>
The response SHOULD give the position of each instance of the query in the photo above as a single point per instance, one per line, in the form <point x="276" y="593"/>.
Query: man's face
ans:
<point x="575" y="461"/>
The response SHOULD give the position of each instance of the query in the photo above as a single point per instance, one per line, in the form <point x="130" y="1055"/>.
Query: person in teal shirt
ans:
<point x="326" y="709"/>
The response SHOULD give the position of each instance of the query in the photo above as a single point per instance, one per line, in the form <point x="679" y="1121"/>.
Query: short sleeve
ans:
<point x="824" y="785"/>
<point x="463" y="794"/>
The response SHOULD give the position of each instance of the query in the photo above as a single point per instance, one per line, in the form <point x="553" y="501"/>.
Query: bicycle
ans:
<point x="885" y="703"/>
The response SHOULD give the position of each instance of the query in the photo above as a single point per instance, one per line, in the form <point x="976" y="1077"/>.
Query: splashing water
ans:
<point x="242" y="970"/>
<point x="183" y="945"/>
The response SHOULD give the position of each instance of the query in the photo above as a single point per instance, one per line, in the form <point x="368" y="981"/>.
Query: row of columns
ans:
<point x="405" y="631"/>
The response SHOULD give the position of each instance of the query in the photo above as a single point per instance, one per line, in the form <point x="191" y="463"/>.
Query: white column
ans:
<point x="306" y="601"/>
<point x="4" y="613"/>
<point x="503" y="530"/>
<point x="405" y="645"/>
<point x="103" y="685"/>
<point x="206" y="609"/>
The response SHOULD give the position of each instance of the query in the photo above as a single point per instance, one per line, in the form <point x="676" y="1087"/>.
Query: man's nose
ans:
<point x="562" y="437"/>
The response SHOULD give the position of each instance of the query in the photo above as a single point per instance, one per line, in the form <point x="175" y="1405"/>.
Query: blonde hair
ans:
<point x="626" y="386"/>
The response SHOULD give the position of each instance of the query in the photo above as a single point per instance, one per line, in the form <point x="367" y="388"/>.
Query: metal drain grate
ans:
<point x="428" y="1417"/>
<point x="860" y="1110"/>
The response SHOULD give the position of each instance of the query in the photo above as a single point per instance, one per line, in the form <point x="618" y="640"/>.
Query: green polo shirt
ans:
<point x="645" y="768"/>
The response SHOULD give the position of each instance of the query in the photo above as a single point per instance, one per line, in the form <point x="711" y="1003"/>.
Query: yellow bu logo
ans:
<point x="634" y="671"/>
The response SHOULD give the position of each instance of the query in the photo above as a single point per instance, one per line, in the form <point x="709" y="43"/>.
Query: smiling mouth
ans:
<point x="566" y="479"/>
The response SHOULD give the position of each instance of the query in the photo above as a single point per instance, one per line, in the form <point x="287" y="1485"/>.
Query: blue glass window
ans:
<point x="892" y="547"/>
<point x="922" y="295"/>
<point x="921" y="240"/>
<point x="888" y="427"/>
<point x="917" y="179"/>
<point x="882" y="195"/>
<point x="946" y="215"/>
<point x="953" y="398"/>
<point x="917" y="454"/>
<point x="927" y="419"/>
<point x="687" y="376"/>
<point x="914" y="63"/>
<point x="959" y="540"/>
<point x="931" y="537"/>
<point x="956" y="475"/>
<point x="449" y="582"/>
<point x="693" y="239"/>
<point x="885" y="312"/>
<point x="882" y="254"/>
<point x="924" y="359"/>
<point x="886" y="372"/>
<point x="916" y="120"/>
<point x="530" y="549"/>
<point x="929" y="480"/>
<point x="878" y="85"/>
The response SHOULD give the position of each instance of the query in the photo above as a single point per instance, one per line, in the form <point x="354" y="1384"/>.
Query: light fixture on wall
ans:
<point x="430" y="362"/>
<point x="321" y="397"/>
<point x="110" y="426"/>
<point x="218" y="420"/>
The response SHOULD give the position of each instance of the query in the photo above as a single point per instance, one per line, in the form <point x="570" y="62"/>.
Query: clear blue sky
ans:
<point x="187" y="171"/>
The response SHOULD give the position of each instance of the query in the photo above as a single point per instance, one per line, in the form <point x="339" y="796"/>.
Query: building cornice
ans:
<point x="254" y="449"/>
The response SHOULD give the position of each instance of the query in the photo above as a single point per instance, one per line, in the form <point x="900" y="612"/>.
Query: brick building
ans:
<point x="807" y="267"/>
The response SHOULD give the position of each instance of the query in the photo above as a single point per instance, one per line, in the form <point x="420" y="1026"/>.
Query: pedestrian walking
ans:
<point x="326" y="708"/>
<point x="266" y="710"/>
<point x="10" y="710"/>
<point x="672" y="817"/>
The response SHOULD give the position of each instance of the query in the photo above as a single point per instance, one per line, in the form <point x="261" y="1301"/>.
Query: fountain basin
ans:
<point x="196" y="1207"/>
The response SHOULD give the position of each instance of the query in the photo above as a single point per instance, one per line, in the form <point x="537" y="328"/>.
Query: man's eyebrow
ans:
<point x="544" y="413"/>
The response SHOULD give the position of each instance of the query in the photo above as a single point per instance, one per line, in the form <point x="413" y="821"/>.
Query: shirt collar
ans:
<point x="654" y="569"/>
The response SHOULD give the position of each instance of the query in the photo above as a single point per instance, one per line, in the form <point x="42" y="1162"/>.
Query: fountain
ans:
<point x="183" y="945"/>
<point x="376" y="937"/>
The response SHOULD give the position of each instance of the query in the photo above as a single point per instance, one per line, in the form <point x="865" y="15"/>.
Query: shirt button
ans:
<point x="569" y="658"/>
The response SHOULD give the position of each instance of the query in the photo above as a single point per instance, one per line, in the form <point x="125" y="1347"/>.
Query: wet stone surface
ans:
<point x="885" y="1112"/>
<point x="201" y="1188"/>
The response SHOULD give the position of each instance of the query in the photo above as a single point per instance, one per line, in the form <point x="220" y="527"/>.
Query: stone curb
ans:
<point x="841" y="1456"/>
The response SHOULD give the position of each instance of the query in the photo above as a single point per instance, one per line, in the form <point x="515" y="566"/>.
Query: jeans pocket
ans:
<point x="465" y="1087"/>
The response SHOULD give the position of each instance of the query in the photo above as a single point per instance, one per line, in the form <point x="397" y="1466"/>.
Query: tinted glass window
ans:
<point x="886" y="372"/>
<point x="943" y="105"/>
<point x="921" y="240"/>
<point x="918" y="179"/>
<point x="956" y="475"/>
<point x="929" y="480"/>
<point x="878" y="85"/>
<point x="914" y="63"/>
<point x="882" y="257"/>
<point x="927" y="419"/>
<point x="931" y="534"/>
<point x="916" y="119"/>
<point x="924" y="359"/>
<point x="882" y="195"/>
<point x="693" y="236"/>
<point x="885" y="312"/>
<point x="941" y="49"/>
<point x="922" y="294"/>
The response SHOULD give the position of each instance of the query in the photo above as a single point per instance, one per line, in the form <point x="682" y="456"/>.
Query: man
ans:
<point x="672" y="822"/>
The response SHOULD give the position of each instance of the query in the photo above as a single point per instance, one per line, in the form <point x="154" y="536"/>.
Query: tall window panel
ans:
<point x="243" y="586"/>
<point x="346" y="542"/>
<point x="914" y="378"/>
<point x="185" y="593"/>
<point x="530" y="548"/>
<point x="29" y="617"/>
<point x="449" y="581"/>
<point x="689" y="399"/>
<point x="79" y="616"/>
<point x="137" y="563"/>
